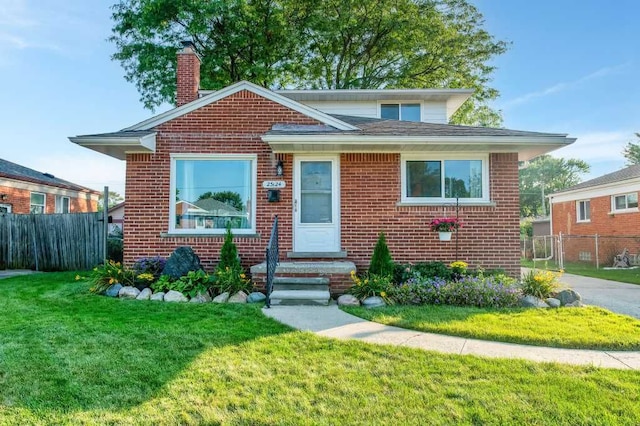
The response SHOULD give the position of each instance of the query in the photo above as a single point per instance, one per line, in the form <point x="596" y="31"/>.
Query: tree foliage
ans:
<point x="228" y="254"/>
<point x="230" y="198"/>
<point x="381" y="260"/>
<point x="114" y="199"/>
<point x="332" y="44"/>
<point x="543" y="176"/>
<point x="632" y="152"/>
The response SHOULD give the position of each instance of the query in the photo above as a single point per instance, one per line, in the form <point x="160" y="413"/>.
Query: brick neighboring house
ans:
<point x="353" y="162"/>
<point x="606" y="206"/>
<point x="24" y="191"/>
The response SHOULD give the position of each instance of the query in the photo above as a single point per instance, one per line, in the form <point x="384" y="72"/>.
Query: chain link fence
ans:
<point x="597" y="251"/>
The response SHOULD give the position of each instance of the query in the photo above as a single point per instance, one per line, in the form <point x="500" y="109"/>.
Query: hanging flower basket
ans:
<point x="445" y="236"/>
<point x="445" y="227"/>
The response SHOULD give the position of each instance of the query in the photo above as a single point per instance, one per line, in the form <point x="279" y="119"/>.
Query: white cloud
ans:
<point x="559" y="87"/>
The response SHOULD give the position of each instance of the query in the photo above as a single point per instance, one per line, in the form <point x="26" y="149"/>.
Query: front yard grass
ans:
<point x="630" y="276"/>
<point x="578" y="328"/>
<point x="70" y="357"/>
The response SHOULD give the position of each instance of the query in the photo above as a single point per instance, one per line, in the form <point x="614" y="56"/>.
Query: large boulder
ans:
<point x="533" y="302"/>
<point x="568" y="296"/>
<point x="348" y="300"/>
<point x="145" y="294"/>
<point x="256" y="297"/>
<point x="239" y="297"/>
<point x="221" y="298"/>
<point x="113" y="290"/>
<point x="128" y="292"/>
<point x="181" y="261"/>
<point x="553" y="302"/>
<point x="175" y="296"/>
<point x="373" y="302"/>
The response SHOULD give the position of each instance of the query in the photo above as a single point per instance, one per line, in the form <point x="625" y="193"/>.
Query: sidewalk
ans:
<point x="330" y="321"/>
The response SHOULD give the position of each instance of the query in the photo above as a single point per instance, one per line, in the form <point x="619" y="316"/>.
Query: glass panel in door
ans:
<point x="315" y="192"/>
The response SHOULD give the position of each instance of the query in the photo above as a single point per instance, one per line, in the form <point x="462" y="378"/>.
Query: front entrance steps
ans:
<point x="305" y="283"/>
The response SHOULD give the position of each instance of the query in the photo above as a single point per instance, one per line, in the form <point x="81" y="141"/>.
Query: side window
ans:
<point x="37" y="205"/>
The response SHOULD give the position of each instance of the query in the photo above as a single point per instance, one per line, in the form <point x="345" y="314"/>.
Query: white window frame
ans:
<point x="432" y="156"/>
<point x="220" y="157"/>
<point x="626" y="199"/>
<point x="578" y="218"/>
<point x="60" y="204"/>
<point x="43" y="205"/>
<point x="399" y="103"/>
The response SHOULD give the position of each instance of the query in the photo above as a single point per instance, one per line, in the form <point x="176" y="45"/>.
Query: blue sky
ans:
<point x="572" y="67"/>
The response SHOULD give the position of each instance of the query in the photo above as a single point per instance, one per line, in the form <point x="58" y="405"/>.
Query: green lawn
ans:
<point x="70" y="357"/>
<point x="631" y="276"/>
<point x="584" y="328"/>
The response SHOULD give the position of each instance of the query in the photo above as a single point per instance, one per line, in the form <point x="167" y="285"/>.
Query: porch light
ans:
<point x="3" y="197"/>
<point x="279" y="169"/>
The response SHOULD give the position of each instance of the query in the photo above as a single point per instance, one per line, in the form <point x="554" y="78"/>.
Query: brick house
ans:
<point x="346" y="164"/>
<point x="604" y="206"/>
<point x="24" y="191"/>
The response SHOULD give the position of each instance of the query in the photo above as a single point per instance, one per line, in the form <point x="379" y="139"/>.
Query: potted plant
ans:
<point x="445" y="226"/>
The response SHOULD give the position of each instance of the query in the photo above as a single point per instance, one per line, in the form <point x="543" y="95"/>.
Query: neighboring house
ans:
<point x="606" y="206"/>
<point x="116" y="217"/>
<point x="348" y="164"/>
<point x="24" y="190"/>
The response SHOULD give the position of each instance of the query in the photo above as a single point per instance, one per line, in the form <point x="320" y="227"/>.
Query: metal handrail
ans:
<point x="273" y="256"/>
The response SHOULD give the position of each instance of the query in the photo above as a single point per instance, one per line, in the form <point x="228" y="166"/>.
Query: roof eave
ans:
<point x="118" y="146"/>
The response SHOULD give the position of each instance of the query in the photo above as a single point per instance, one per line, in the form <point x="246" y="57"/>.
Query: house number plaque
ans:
<point x="273" y="184"/>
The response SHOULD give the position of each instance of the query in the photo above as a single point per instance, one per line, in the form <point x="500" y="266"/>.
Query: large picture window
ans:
<point x="445" y="179"/>
<point x="37" y="203"/>
<point x="211" y="192"/>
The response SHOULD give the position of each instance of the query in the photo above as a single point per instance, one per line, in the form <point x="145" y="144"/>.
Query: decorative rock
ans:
<point x="175" y="296"/>
<point x="181" y="261"/>
<point x="159" y="296"/>
<point x="373" y="302"/>
<point x="239" y="297"/>
<point x="145" y="294"/>
<point x="128" y="292"/>
<point x="552" y="302"/>
<point x="201" y="298"/>
<point x="567" y="296"/>
<point x="256" y="297"/>
<point x="113" y="290"/>
<point x="574" y="304"/>
<point x="222" y="298"/>
<point x="348" y="300"/>
<point x="533" y="302"/>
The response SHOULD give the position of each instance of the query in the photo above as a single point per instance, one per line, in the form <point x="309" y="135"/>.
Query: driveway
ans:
<point x="615" y="296"/>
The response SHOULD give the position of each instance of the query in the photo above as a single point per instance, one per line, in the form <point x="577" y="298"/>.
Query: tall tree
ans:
<point x="114" y="198"/>
<point x="543" y="176"/>
<point x="332" y="44"/>
<point x="632" y="152"/>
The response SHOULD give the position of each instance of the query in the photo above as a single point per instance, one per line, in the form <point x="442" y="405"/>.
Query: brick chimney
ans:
<point x="187" y="74"/>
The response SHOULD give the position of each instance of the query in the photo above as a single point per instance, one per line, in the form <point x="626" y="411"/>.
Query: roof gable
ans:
<point x="235" y="88"/>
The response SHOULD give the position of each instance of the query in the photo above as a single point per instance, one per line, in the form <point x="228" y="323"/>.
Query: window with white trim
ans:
<point x="210" y="192"/>
<point x="37" y="205"/>
<point x="444" y="178"/>
<point x="583" y="209"/>
<point x="402" y="111"/>
<point x="624" y="202"/>
<point x="62" y="204"/>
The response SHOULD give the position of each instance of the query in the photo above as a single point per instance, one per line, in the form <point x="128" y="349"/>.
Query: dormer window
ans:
<point x="402" y="111"/>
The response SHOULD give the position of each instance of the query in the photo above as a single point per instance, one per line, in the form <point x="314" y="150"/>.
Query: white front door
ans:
<point x="316" y="204"/>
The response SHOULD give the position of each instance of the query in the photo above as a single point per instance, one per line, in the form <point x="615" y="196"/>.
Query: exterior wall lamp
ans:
<point x="3" y="197"/>
<point x="279" y="168"/>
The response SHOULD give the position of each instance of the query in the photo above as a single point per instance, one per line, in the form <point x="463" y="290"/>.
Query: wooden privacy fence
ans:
<point x="51" y="242"/>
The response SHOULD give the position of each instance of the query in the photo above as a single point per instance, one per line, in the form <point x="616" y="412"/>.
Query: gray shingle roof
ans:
<point x="18" y="172"/>
<point x="383" y="127"/>
<point x="630" y="172"/>
<point x="120" y="134"/>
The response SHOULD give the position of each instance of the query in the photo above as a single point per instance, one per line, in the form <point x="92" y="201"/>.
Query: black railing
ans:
<point x="273" y="254"/>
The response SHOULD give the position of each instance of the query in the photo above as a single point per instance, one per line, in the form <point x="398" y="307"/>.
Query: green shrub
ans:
<point x="104" y="276"/>
<point x="540" y="283"/>
<point x="194" y="283"/>
<point x="164" y="284"/>
<point x="228" y="253"/>
<point x="370" y="285"/>
<point x="114" y="247"/>
<point x="381" y="262"/>
<point x="232" y="280"/>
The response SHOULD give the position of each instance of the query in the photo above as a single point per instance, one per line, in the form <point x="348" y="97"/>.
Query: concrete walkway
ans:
<point x="6" y="273"/>
<point x="330" y="321"/>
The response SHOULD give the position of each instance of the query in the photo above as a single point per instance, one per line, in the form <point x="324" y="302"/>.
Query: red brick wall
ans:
<point x="370" y="189"/>
<point x="602" y="223"/>
<point x="20" y="200"/>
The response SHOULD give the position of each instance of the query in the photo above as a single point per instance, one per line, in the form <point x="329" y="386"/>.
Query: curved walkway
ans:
<point x="330" y="321"/>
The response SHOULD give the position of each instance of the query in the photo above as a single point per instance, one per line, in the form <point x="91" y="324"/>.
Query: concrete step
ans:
<point x="300" y="297"/>
<point x="301" y="283"/>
